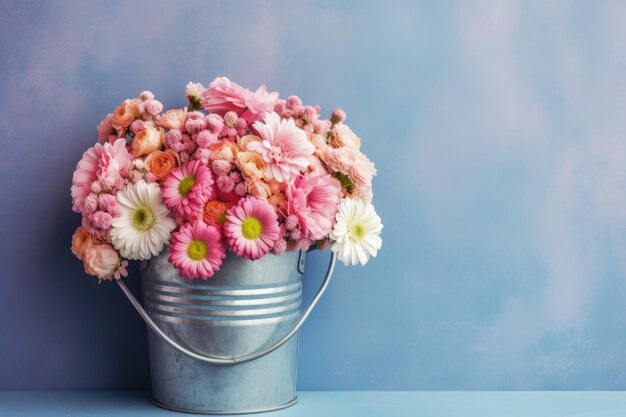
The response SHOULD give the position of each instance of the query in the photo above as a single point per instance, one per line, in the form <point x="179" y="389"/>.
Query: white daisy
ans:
<point x="144" y="225"/>
<point x="356" y="234"/>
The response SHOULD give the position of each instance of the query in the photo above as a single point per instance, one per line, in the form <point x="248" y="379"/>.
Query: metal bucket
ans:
<point x="225" y="345"/>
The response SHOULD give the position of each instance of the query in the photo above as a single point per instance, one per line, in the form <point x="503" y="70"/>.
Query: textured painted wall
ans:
<point x="498" y="131"/>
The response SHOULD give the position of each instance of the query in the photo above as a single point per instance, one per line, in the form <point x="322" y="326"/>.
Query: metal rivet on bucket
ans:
<point x="225" y="345"/>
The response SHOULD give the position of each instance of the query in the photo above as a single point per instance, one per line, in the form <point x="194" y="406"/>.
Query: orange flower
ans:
<point x="81" y="241"/>
<point x="161" y="163"/>
<point x="125" y="114"/>
<point x="215" y="212"/>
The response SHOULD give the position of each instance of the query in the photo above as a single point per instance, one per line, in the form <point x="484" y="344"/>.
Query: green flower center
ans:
<point x="185" y="185"/>
<point x="251" y="228"/>
<point x="143" y="219"/>
<point x="196" y="250"/>
<point x="221" y="218"/>
<point x="357" y="232"/>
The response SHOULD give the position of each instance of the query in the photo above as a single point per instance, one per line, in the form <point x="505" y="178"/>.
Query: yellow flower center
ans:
<point x="185" y="185"/>
<point x="357" y="232"/>
<point x="197" y="250"/>
<point x="143" y="219"/>
<point x="251" y="228"/>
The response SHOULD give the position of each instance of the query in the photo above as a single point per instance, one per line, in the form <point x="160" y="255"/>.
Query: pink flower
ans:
<point x="187" y="188"/>
<point x="313" y="199"/>
<point x="193" y="91"/>
<point x="105" y="128"/>
<point x="197" y="250"/>
<point x="224" y="95"/>
<point x="285" y="148"/>
<point x="172" y="119"/>
<point x="251" y="228"/>
<point x="353" y="167"/>
<point x="103" y="161"/>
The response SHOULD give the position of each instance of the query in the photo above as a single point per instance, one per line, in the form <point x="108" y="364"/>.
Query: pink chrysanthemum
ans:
<point x="313" y="199"/>
<point x="197" y="250"/>
<point x="187" y="188"/>
<point x="285" y="148"/>
<point x="224" y="95"/>
<point x="251" y="228"/>
<point x="99" y="162"/>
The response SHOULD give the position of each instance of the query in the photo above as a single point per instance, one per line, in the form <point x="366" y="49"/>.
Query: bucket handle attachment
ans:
<point x="216" y="360"/>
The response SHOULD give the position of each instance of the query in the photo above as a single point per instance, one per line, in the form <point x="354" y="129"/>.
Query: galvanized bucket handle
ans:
<point x="215" y="360"/>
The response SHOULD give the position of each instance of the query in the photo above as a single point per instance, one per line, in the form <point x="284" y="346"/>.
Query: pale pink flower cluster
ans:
<point x="238" y="170"/>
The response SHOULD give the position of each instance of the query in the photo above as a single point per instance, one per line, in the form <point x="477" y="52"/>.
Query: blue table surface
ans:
<point x="337" y="403"/>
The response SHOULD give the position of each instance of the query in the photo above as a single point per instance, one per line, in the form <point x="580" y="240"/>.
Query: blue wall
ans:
<point x="499" y="134"/>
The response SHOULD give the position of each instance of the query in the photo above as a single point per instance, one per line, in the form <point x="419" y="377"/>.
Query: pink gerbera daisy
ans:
<point x="187" y="188"/>
<point x="99" y="162"/>
<point x="197" y="250"/>
<point x="313" y="199"/>
<point x="251" y="228"/>
<point x="285" y="147"/>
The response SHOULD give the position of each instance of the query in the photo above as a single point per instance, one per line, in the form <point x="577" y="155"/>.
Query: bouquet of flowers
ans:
<point x="235" y="170"/>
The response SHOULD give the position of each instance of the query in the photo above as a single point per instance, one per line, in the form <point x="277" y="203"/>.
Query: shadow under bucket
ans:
<point x="226" y="345"/>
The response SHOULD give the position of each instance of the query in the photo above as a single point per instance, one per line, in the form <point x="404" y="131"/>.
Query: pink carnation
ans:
<point x="251" y="228"/>
<point x="285" y="148"/>
<point x="224" y="95"/>
<point x="197" y="250"/>
<point x="355" y="166"/>
<point x="313" y="199"/>
<point x="187" y="188"/>
<point x="103" y="161"/>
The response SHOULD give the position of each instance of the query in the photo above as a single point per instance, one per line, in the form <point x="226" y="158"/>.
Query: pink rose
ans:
<point x="105" y="127"/>
<point x="101" y="260"/>
<point x="172" y="119"/>
<point x="147" y="140"/>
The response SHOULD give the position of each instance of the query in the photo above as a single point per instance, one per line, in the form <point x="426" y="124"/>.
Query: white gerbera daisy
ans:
<point x="356" y="234"/>
<point x="144" y="225"/>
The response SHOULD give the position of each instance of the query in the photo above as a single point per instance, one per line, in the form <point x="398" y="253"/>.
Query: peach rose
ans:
<point x="172" y="119"/>
<point x="275" y="186"/>
<point x="279" y="202"/>
<point x="342" y="135"/>
<point x="243" y="141"/>
<point x="161" y="163"/>
<point x="147" y="140"/>
<point x="224" y="149"/>
<point x="125" y="114"/>
<point x="101" y="260"/>
<point x="81" y="241"/>
<point x="251" y="164"/>
<point x="258" y="188"/>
